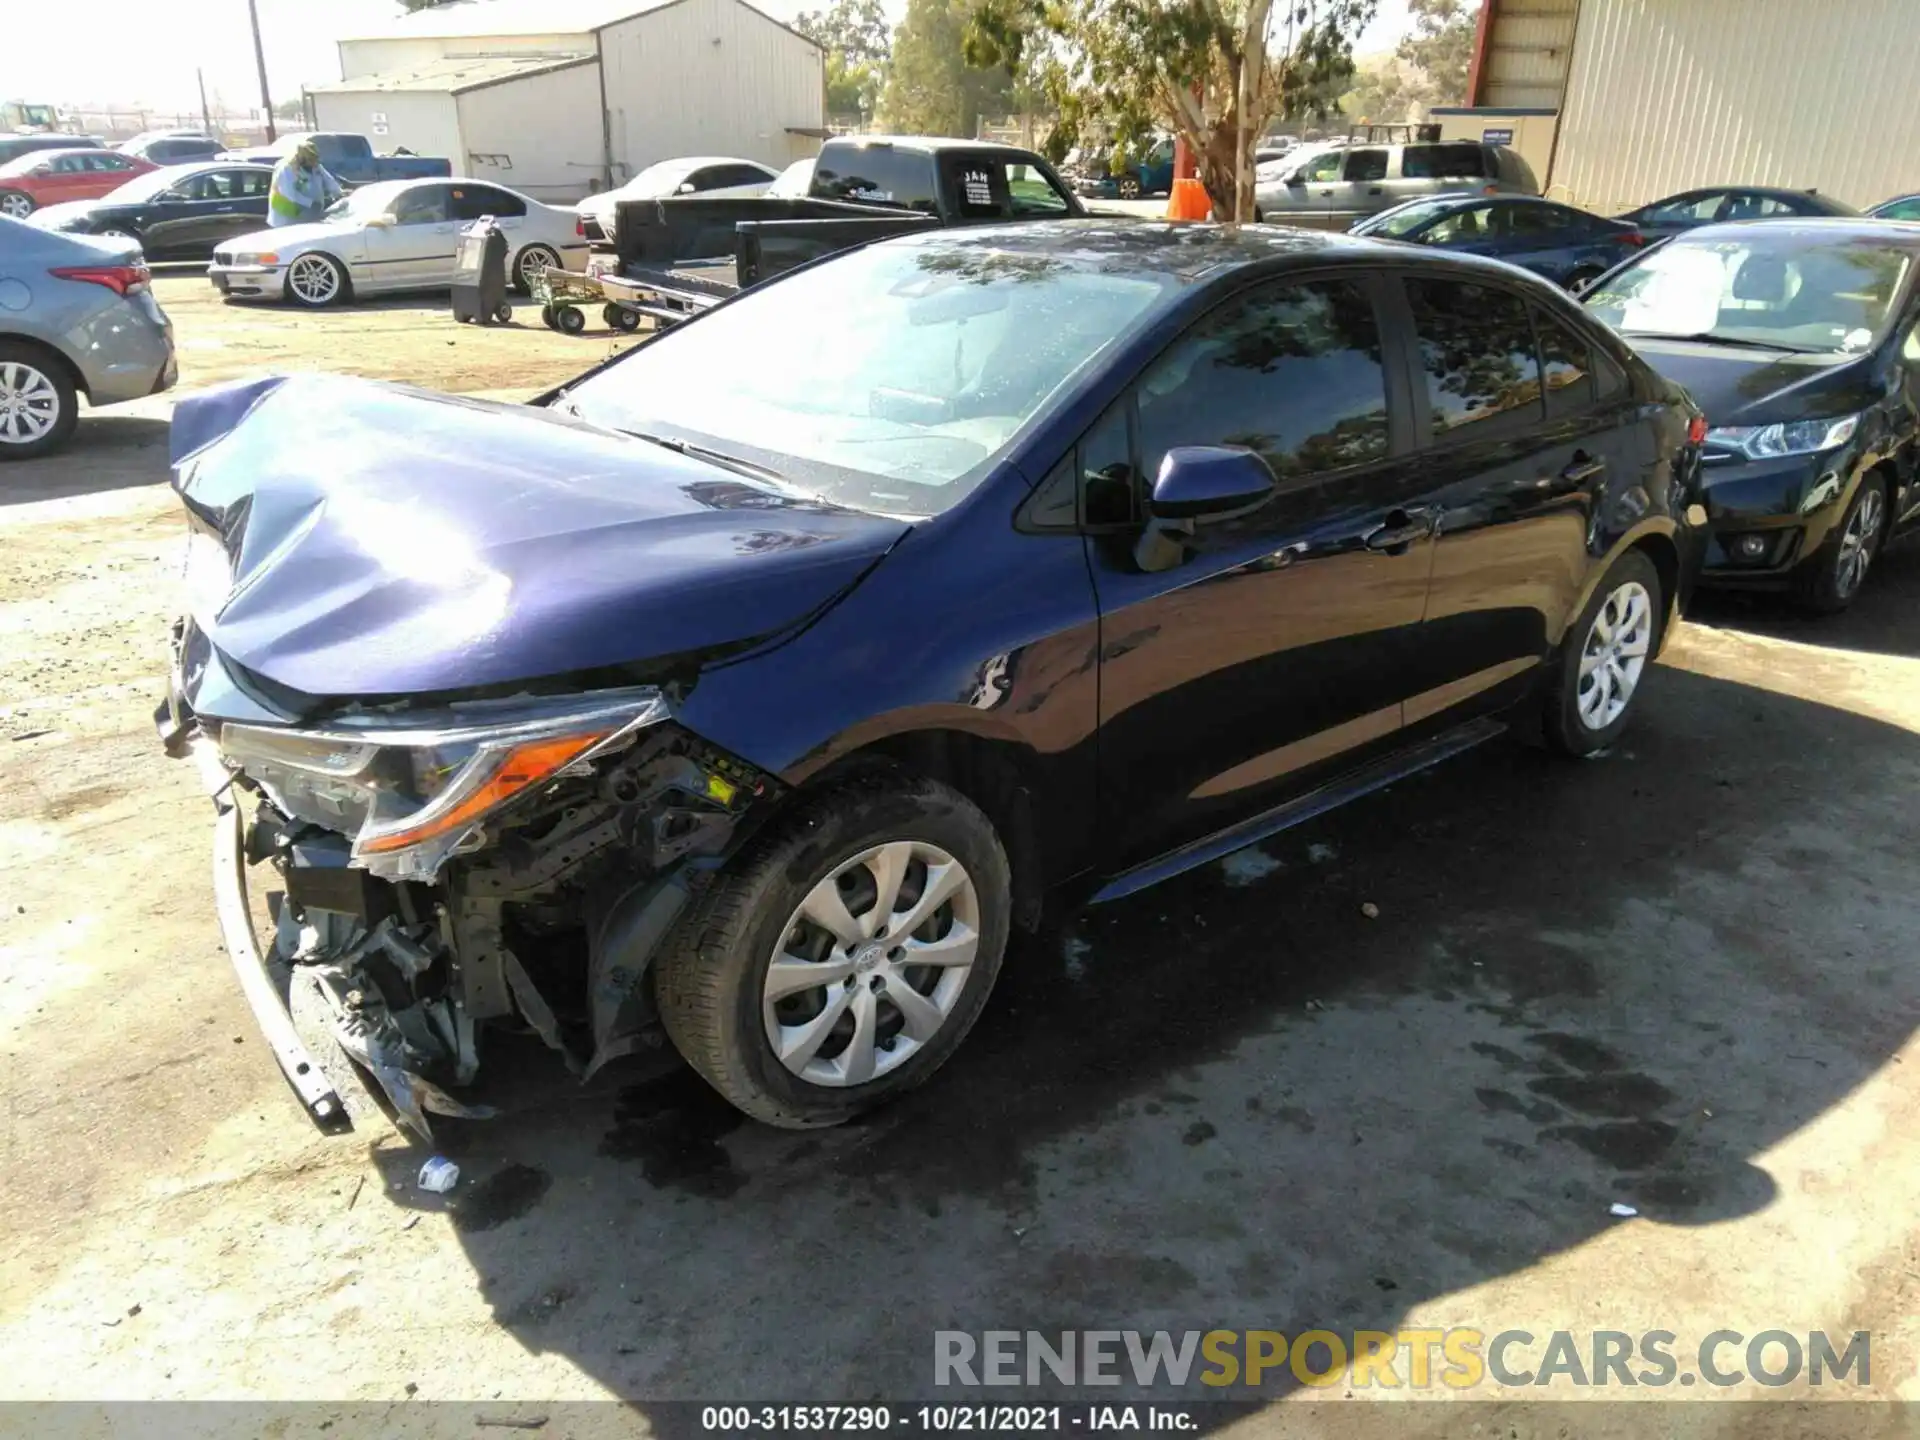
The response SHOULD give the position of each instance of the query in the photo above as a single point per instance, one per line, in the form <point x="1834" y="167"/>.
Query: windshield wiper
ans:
<point x="1709" y="337"/>
<point x="716" y="457"/>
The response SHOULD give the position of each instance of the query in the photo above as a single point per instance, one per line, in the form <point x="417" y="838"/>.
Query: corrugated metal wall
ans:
<point x="539" y="134"/>
<point x="709" y="77"/>
<point x="1666" y="95"/>
<point x="1527" y="53"/>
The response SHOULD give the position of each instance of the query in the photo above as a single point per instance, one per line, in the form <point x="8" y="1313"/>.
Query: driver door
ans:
<point x="415" y="251"/>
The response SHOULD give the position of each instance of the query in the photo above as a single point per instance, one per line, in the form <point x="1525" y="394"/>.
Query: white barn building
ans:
<point x="558" y="98"/>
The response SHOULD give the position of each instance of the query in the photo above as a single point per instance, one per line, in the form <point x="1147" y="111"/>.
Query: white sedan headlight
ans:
<point x="1769" y="442"/>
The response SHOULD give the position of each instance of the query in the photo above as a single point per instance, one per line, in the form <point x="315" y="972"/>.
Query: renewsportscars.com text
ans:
<point x="1456" y="1359"/>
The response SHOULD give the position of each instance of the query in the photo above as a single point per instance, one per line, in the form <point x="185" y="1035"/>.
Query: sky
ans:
<point x="47" y="57"/>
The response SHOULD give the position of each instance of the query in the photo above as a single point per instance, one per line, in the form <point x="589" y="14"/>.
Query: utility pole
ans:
<point x="206" y="115"/>
<point x="260" y="62"/>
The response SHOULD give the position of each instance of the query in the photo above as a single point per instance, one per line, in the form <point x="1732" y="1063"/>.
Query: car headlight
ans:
<point x="256" y="257"/>
<point x="1801" y="437"/>
<point x="411" y="794"/>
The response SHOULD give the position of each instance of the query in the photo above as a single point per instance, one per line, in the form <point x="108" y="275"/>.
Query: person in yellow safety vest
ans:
<point x="302" y="189"/>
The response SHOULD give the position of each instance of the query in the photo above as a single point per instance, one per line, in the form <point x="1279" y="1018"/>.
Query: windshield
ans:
<point x="1407" y="218"/>
<point x="661" y="179"/>
<point x="368" y="200"/>
<point x="145" y="187"/>
<point x="1793" y="290"/>
<point x="941" y="351"/>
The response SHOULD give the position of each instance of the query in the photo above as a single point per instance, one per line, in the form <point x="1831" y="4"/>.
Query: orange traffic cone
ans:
<point x="1189" y="200"/>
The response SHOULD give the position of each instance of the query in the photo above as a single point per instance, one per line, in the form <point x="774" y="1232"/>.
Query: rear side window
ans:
<point x="1566" y="365"/>
<point x="876" y="175"/>
<point x="1533" y="219"/>
<point x="1366" y="165"/>
<point x="1292" y="372"/>
<point x="1477" y="351"/>
<point x="1443" y="162"/>
<point x="470" y="202"/>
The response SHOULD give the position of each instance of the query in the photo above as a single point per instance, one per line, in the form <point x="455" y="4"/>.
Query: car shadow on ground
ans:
<point x="1243" y="1100"/>
<point x="108" y="452"/>
<point x="1884" y="619"/>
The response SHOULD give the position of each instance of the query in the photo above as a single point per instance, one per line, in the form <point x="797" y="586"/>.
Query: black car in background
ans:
<point x="12" y="147"/>
<point x="1800" y="339"/>
<point x="1570" y="247"/>
<point x="179" y="213"/>
<point x="1721" y="204"/>
<point x="183" y="148"/>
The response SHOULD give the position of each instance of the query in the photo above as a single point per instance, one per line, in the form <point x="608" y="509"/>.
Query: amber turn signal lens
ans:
<point x="523" y="766"/>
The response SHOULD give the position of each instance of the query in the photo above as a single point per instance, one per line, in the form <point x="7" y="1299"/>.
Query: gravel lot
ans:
<point x="1680" y="976"/>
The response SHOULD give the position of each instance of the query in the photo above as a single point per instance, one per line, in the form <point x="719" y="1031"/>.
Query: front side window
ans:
<point x="1476" y="348"/>
<point x="1785" y="290"/>
<point x="942" y="352"/>
<point x="425" y="205"/>
<point x="1031" y="193"/>
<point x="1292" y="372"/>
<point x="1325" y="166"/>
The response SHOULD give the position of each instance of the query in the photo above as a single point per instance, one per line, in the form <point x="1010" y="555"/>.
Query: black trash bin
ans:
<point x="480" y="274"/>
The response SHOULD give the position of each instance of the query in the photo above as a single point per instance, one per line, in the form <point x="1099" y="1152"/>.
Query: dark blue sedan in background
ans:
<point x="1570" y="247"/>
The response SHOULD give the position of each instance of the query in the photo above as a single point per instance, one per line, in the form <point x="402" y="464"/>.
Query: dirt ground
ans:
<point x="1679" y="977"/>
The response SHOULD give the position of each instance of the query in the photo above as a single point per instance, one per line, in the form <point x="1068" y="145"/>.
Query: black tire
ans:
<point x="542" y="254"/>
<point x="710" y="979"/>
<point x="342" y="290"/>
<point x="618" y="317"/>
<point x="1828" y="584"/>
<point x="548" y="317"/>
<point x="569" y="319"/>
<point x="502" y="313"/>
<point x="16" y="204"/>
<point x="38" y="379"/>
<point x="1580" y="279"/>
<point x="1562" y="726"/>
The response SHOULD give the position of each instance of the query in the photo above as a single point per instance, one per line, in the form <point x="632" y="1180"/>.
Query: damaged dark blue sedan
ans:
<point x="752" y="686"/>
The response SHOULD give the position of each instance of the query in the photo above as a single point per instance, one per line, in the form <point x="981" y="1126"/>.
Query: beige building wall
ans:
<point x="1669" y="95"/>
<point x="395" y="56"/>
<point x="538" y="134"/>
<point x="424" y="121"/>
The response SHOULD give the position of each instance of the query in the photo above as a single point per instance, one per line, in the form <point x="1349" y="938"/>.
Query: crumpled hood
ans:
<point x="386" y="541"/>
<point x="1752" y="387"/>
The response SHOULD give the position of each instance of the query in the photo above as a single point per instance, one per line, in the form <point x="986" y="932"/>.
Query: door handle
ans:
<point x="1401" y="529"/>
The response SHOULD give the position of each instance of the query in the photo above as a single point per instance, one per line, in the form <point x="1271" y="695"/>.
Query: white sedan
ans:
<point x="395" y="235"/>
<point x="691" y="175"/>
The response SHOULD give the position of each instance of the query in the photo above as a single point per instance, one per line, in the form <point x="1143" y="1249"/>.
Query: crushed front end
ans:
<point x="424" y="873"/>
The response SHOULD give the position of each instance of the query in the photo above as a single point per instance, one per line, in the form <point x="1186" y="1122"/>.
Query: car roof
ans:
<point x="922" y="144"/>
<point x="1899" y="234"/>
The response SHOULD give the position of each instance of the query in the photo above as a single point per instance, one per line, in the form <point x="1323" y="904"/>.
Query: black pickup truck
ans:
<point x="680" y="254"/>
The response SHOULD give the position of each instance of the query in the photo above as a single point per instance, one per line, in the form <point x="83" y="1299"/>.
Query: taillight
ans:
<point x="1633" y="237"/>
<point x="580" y="226"/>
<point x="1697" y="430"/>
<point x="121" y="279"/>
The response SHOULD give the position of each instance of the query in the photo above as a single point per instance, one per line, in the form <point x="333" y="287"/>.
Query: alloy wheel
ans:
<point x="871" y="963"/>
<point x="1857" y="542"/>
<point x="533" y="260"/>
<point x="1614" y="655"/>
<point x="29" y="403"/>
<point x="313" y="279"/>
<point x="16" y="205"/>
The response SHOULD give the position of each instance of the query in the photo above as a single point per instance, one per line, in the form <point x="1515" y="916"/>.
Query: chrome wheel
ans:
<point x="1614" y="654"/>
<point x="115" y="234"/>
<point x="314" y="280"/>
<point x="15" y="204"/>
<point x="871" y="963"/>
<point x="29" y="403"/>
<point x="1857" y="542"/>
<point x="533" y="260"/>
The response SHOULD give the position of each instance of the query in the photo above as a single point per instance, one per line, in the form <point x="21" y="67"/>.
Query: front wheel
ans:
<point x="316" y="281"/>
<point x="16" y="204"/>
<point x="1604" y="658"/>
<point x="1579" y="280"/>
<point x="843" y="958"/>
<point x="1835" y="578"/>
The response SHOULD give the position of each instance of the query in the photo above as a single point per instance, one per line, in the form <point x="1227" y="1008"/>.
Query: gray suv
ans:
<point x="1336" y="187"/>
<point x="77" y="317"/>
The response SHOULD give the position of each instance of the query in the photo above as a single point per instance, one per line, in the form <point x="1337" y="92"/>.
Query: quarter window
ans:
<point x="1442" y="162"/>
<point x="1476" y="348"/>
<point x="1292" y="372"/>
<point x="1565" y="366"/>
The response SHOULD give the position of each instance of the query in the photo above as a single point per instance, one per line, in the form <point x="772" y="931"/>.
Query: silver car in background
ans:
<point x="1334" y="187"/>
<point x="77" y="317"/>
<point x="395" y="235"/>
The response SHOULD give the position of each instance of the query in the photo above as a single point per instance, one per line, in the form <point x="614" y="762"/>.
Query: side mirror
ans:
<point x="1201" y="483"/>
<point x="1198" y="484"/>
<point x="1296" y="180"/>
<point x="686" y="188"/>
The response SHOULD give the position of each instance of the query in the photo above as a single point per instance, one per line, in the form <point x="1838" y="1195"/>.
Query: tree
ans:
<point x="1213" y="71"/>
<point x="854" y="34"/>
<point x="1440" y="46"/>
<point x="931" y="87"/>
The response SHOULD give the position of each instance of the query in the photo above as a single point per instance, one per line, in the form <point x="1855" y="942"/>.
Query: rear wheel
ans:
<point x="1129" y="187"/>
<point x="1579" y="280"/>
<point x="1604" y="658"/>
<point x="38" y="403"/>
<point x="844" y="957"/>
<point x="530" y="263"/>
<point x="1835" y="578"/>
<point x="16" y="203"/>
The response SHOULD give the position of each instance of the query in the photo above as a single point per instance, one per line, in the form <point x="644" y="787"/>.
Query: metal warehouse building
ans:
<point x="560" y="97"/>
<point x="1635" y="99"/>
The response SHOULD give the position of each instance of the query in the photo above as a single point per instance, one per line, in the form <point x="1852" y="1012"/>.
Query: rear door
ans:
<point x="103" y="172"/>
<point x="1523" y="427"/>
<point x="205" y="209"/>
<point x="1271" y="650"/>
